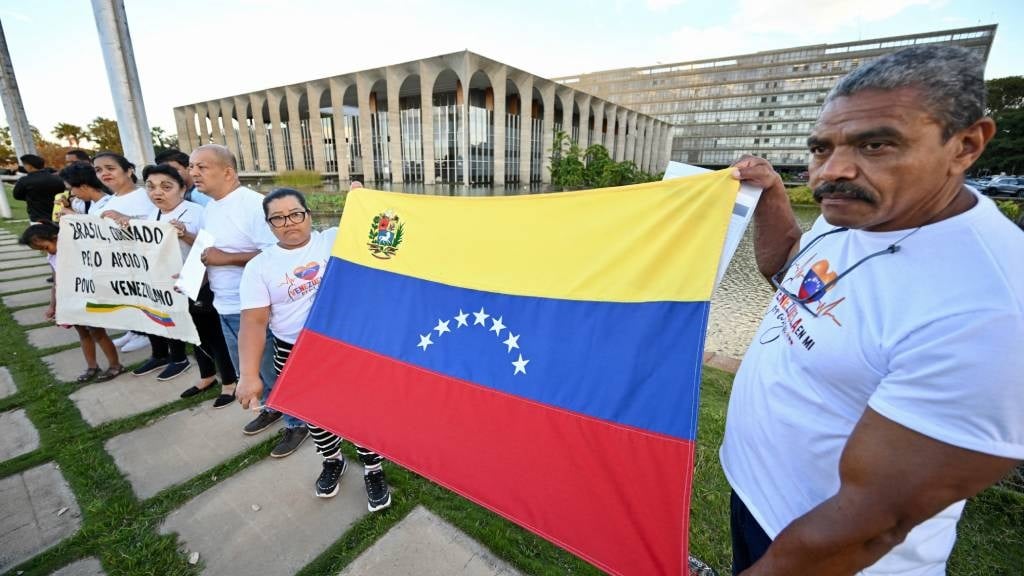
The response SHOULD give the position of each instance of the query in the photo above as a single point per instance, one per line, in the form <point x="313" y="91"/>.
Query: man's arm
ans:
<point x="252" y="339"/>
<point x="218" y="257"/>
<point x="776" y="233"/>
<point x="20" y="191"/>
<point x="891" y="479"/>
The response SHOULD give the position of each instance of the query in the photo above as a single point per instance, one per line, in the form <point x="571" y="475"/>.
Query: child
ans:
<point x="43" y="237"/>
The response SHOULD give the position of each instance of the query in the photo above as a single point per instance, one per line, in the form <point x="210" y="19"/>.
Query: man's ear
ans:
<point x="970" y="142"/>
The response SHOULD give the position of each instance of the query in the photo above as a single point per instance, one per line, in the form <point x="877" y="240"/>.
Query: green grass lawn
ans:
<point x="121" y="530"/>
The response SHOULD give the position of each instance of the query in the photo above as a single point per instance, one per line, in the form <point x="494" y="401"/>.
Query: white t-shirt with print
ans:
<point x="237" y="224"/>
<point x="135" y="204"/>
<point x="928" y="337"/>
<point x="287" y="281"/>
<point x="188" y="213"/>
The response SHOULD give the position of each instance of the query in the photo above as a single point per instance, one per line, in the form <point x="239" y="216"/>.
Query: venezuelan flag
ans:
<point x="539" y="355"/>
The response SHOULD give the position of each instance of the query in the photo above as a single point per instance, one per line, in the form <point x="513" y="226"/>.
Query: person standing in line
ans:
<point x="234" y="217"/>
<point x="129" y="201"/>
<point x="37" y="188"/>
<point x="278" y="289"/>
<point x="179" y="161"/>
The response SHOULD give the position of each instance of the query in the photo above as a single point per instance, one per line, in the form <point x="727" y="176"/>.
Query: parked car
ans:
<point x="1005" y="186"/>
<point x="978" y="183"/>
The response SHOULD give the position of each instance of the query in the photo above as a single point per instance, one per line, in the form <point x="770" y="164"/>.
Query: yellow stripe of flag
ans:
<point x="648" y="242"/>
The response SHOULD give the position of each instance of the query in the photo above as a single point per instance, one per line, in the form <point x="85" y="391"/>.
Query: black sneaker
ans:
<point x="378" y="494"/>
<point x="290" y="441"/>
<point x="327" y="482"/>
<point x="173" y="370"/>
<point x="261" y="422"/>
<point x="151" y="365"/>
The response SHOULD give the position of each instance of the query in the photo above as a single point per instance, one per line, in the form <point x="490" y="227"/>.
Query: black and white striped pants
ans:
<point x="327" y="443"/>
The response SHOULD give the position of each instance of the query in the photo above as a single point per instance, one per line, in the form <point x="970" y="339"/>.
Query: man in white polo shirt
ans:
<point x="884" y="386"/>
<point x="234" y="216"/>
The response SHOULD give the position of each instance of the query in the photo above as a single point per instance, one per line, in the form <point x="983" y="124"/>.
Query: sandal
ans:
<point x="111" y="373"/>
<point x="88" y="375"/>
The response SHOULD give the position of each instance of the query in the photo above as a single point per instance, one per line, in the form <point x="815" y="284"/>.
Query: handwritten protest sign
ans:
<point x="114" y="277"/>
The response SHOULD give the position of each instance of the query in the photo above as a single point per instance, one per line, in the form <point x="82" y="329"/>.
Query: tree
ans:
<point x="70" y="132"/>
<point x="572" y="168"/>
<point x="163" y="141"/>
<point x="1005" y="153"/>
<point x="103" y="131"/>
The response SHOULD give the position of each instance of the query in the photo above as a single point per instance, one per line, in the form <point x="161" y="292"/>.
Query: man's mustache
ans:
<point x="846" y="190"/>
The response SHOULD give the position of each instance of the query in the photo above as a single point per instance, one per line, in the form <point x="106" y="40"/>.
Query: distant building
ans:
<point x="457" y="118"/>
<point x="763" y="103"/>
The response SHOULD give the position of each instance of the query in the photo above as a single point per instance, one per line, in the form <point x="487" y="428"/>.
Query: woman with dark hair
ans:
<point x="166" y="190"/>
<point x="128" y="201"/>
<point x="43" y="237"/>
<point x="85" y="187"/>
<point x="300" y="257"/>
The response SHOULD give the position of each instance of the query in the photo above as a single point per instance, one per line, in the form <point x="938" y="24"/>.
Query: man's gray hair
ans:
<point x="951" y="81"/>
<point x="222" y="153"/>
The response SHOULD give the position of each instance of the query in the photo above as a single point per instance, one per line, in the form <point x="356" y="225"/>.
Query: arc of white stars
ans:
<point x="481" y="317"/>
<point x="424" y="341"/>
<point x="512" y="341"/>
<point x="520" y="365"/>
<point x="442" y="326"/>
<point x="460" y="319"/>
<point x="497" y="327"/>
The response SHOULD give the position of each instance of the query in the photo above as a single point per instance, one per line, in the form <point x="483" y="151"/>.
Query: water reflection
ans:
<point x="737" y="306"/>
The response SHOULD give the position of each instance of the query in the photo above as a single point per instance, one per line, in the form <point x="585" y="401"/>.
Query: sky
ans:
<point x="190" y="51"/>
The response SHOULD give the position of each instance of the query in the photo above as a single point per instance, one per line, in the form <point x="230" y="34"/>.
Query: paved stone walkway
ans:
<point x="263" y="520"/>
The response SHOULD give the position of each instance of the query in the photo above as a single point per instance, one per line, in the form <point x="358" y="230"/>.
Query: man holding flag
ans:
<point x="883" y="387"/>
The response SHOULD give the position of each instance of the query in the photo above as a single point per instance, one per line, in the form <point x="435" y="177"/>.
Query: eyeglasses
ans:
<point x="822" y="288"/>
<point x="293" y="217"/>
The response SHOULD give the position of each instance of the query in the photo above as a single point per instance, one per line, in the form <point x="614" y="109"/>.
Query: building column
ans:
<point x="464" y="141"/>
<point x="204" y="128"/>
<point x="525" y="129"/>
<point x="630" y="137"/>
<point x="190" y="127"/>
<point x="648" y="136"/>
<point x="231" y="139"/>
<point x="598" y="120"/>
<point x="292" y="94"/>
<point x="17" y="121"/>
<point x="584" y="140"/>
<point x="548" y="94"/>
<point x="338" y="88"/>
<point x="277" y="135"/>
<point x="641" y="142"/>
<point x="395" y="78"/>
<point x="365" y="133"/>
<point x="499" y="87"/>
<point x="215" y="119"/>
<point x="184" y="143"/>
<point x="567" y="108"/>
<point x="620" y="138"/>
<point x="316" y="130"/>
<point x="427" y="78"/>
<point x="244" y="138"/>
<point x="666" y="145"/>
<point x="262" y="160"/>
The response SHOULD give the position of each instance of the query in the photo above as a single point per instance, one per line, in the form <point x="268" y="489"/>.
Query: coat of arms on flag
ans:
<point x="549" y="373"/>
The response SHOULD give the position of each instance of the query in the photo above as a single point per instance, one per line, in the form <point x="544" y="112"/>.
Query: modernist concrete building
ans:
<point x="457" y="118"/>
<point x="763" y="103"/>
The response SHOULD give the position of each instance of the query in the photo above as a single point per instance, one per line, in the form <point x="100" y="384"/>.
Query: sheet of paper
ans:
<point x="190" y="279"/>
<point x="742" y="212"/>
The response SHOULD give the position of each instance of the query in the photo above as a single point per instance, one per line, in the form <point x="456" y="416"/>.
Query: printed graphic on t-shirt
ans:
<point x="303" y="280"/>
<point x="808" y="280"/>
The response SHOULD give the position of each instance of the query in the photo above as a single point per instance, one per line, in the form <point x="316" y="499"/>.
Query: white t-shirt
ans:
<point x="99" y="206"/>
<point x="287" y="281"/>
<point x="188" y="213"/>
<point x="135" y="204"/>
<point x="237" y="224"/>
<point x="928" y="337"/>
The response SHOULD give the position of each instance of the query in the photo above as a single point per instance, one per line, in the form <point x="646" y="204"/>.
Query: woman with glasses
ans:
<point x="278" y="288"/>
